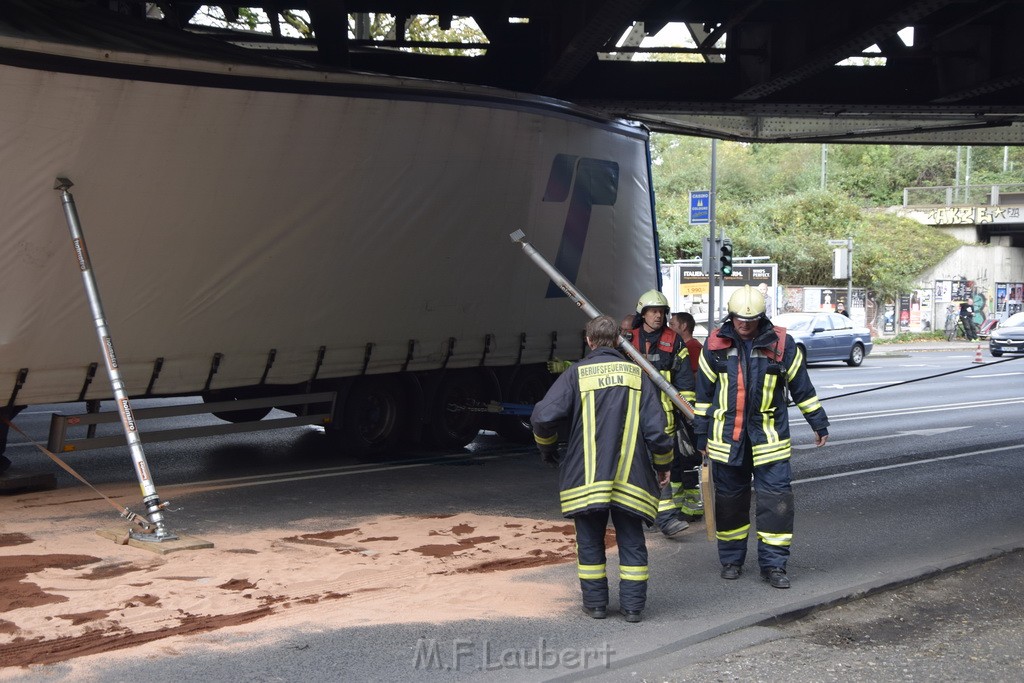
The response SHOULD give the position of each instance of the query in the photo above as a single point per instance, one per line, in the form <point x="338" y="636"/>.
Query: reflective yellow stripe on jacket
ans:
<point x="592" y="379"/>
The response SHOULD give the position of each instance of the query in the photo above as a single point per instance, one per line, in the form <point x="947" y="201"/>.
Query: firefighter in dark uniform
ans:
<point x="742" y="425"/>
<point x="669" y="355"/>
<point x="616" y="461"/>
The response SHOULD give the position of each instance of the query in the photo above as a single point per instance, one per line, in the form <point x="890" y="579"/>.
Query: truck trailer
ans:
<point x="259" y="228"/>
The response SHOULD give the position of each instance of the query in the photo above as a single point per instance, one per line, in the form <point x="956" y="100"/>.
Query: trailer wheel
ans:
<point x="451" y="424"/>
<point x="374" y="417"/>
<point x="528" y="387"/>
<point x="235" y="416"/>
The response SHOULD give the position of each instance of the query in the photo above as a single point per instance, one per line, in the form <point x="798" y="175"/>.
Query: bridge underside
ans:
<point x="754" y="70"/>
<point x="1014" y="231"/>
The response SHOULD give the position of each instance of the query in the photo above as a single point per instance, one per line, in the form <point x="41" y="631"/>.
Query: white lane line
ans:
<point x="882" y="468"/>
<point x="915" y="410"/>
<point x="854" y="385"/>
<point x="224" y="484"/>
<point x="859" y="384"/>
<point x="886" y="437"/>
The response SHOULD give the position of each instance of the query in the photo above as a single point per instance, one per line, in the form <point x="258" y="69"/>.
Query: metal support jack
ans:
<point x="706" y="485"/>
<point x="583" y="304"/>
<point x="154" y="508"/>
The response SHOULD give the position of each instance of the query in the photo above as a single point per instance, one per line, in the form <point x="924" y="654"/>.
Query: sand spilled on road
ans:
<point x="66" y="592"/>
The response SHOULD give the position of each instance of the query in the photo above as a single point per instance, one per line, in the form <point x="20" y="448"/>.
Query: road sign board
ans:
<point x="700" y="207"/>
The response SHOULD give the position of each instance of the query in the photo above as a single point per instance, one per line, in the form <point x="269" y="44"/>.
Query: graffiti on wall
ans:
<point x="968" y="215"/>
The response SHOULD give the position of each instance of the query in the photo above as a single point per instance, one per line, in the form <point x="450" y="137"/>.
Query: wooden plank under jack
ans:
<point x="13" y="481"/>
<point x="707" y="494"/>
<point x="120" y="535"/>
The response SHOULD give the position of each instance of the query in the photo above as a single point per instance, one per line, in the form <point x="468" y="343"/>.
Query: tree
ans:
<point x="770" y="203"/>
<point x="366" y="26"/>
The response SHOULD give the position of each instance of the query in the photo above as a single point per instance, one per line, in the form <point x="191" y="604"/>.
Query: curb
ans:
<point x="756" y="628"/>
<point x="905" y="350"/>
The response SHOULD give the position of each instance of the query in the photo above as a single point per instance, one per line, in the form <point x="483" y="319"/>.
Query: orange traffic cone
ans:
<point x="977" y="355"/>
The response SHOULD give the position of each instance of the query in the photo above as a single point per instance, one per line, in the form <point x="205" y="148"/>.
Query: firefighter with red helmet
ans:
<point x="668" y="353"/>
<point x="742" y="425"/>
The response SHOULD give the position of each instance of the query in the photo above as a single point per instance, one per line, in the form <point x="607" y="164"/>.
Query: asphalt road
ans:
<point x="918" y="480"/>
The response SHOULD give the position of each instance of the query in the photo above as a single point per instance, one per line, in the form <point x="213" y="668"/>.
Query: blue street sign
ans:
<point x="700" y="207"/>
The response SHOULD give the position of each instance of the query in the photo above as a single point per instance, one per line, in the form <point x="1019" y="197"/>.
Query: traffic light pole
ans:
<point x="713" y="245"/>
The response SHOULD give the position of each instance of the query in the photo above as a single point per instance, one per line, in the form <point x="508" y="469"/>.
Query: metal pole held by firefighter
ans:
<point x="583" y="304"/>
<point x="154" y="508"/>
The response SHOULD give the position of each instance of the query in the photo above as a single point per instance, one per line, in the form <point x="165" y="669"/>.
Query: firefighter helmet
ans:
<point x="652" y="299"/>
<point x="746" y="303"/>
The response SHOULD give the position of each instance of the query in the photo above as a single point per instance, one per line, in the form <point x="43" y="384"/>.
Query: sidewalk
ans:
<point x="941" y="345"/>
<point x="965" y="624"/>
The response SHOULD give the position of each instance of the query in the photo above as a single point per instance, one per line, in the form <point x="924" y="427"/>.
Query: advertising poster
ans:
<point x="1009" y="297"/>
<point x="904" y="313"/>
<point x="691" y="287"/>
<point x="812" y="299"/>
<point x="827" y="302"/>
<point x="924" y="313"/>
<point x="889" y="317"/>
<point x="961" y="290"/>
<point x="793" y="299"/>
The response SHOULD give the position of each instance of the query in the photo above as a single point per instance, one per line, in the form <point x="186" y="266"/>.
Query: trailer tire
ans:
<point x="374" y="418"/>
<point x="528" y="387"/>
<point x="449" y="426"/>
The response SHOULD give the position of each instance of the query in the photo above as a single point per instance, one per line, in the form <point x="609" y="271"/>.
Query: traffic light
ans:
<point x="725" y="257"/>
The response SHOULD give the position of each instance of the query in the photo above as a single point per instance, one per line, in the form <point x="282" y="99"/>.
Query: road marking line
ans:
<point x="840" y="475"/>
<point x="217" y="485"/>
<point x="914" y="410"/>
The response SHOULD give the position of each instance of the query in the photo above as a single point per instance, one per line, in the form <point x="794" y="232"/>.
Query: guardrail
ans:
<point x="59" y="440"/>
<point x="970" y="195"/>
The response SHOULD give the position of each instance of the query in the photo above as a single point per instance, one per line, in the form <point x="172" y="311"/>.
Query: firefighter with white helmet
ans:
<point x="746" y="303"/>
<point x="667" y="352"/>
<point x="742" y="425"/>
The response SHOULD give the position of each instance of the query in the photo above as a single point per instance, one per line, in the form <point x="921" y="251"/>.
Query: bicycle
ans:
<point x="955" y="325"/>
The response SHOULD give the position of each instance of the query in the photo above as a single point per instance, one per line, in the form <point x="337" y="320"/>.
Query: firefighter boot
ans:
<point x="691" y="506"/>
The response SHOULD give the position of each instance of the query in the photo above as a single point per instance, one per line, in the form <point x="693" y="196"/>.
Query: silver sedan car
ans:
<point x="1008" y="337"/>
<point x="827" y="336"/>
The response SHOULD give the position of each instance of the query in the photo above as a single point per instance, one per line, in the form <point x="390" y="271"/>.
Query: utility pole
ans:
<point x="712" y="317"/>
<point x="956" y="179"/>
<point x="967" y="178"/>
<point x="824" y="164"/>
